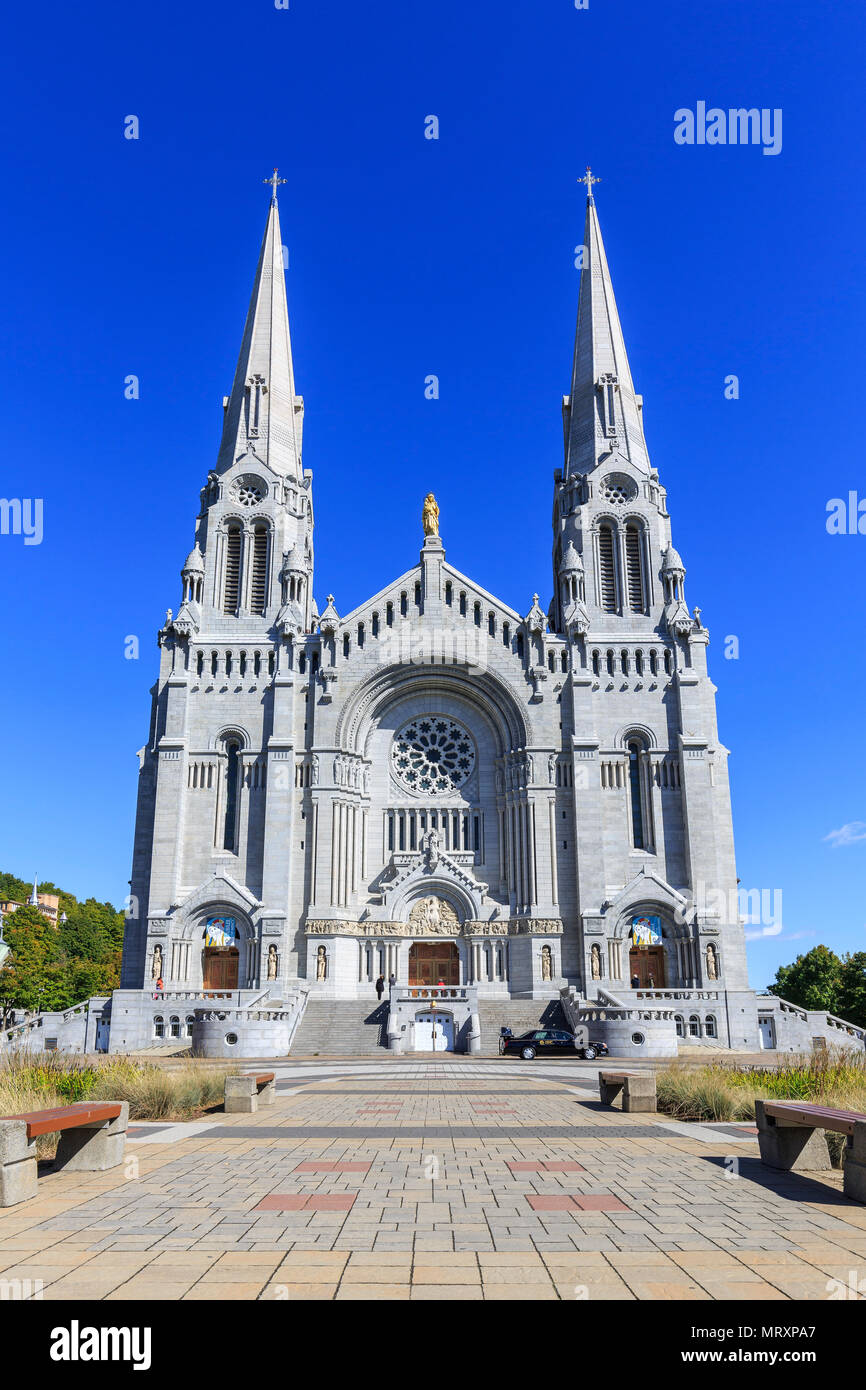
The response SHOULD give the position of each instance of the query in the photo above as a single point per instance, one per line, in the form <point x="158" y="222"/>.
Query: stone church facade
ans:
<point x="437" y="785"/>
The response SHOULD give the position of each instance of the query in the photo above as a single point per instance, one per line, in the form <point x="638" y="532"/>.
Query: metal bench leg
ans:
<point x="93" y="1148"/>
<point x="795" y="1148"/>
<point x="17" y="1163"/>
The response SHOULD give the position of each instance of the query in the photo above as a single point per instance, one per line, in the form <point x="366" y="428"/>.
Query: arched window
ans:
<point x="174" y="1026"/>
<point x="374" y="624"/>
<point x="476" y="612"/>
<point x="190" y="1020"/>
<point x="404" y="604"/>
<point x="360" y="634"/>
<point x="668" y="662"/>
<point x="635" y="784"/>
<point x="232" y="570"/>
<point x="634" y="567"/>
<point x="679" y="1024"/>
<point x="694" y="1026"/>
<point x="596" y="664"/>
<point x="449" y="593"/>
<point x="158" y="1026"/>
<point x="607" y="570"/>
<point x="506" y="634"/>
<point x="491" y="624"/>
<point x="259" y="580"/>
<point x="389" y="614"/>
<point x="710" y="1025"/>
<point x="233" y="748"/>
<point x="345" y="644"/>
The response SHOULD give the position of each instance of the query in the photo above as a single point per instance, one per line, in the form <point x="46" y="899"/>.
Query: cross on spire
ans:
<point x="589" y="179"/>
<point x="274" y="180"/>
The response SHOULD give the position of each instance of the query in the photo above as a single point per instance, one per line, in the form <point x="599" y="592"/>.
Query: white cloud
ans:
<point x="850" y="834"/>
<point x="774" y="929"/>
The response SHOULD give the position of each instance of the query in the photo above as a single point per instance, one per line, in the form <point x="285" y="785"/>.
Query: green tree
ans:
<point x="32" y="976"/>
<point x="812" y="982"/>
<point x="851" y="998"/>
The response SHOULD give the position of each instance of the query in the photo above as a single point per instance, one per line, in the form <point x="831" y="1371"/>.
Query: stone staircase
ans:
<point x="341" y="1028"/>
<point x="517" y="1014"/>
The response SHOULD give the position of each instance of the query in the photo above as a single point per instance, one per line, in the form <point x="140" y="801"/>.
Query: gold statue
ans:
<point x="430" y="516"/>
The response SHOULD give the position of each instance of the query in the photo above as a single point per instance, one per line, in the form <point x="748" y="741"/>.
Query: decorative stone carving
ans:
<point x="595" y="961"/>
<point x="321" y="963"/>
<point x="434" y="916"/>
<point x="432" y="754"/>
<point x="712" y="971"/>
<point x="272" y="962"/>
<point x="156" y="967"/>
<point x="430" y="849"/>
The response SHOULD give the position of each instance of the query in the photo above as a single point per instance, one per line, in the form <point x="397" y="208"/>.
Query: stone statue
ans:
<point x="315" y="772"/>
<point x="430" y="516"/>
<point x="321" y="963"/>
<point x="430" y="849"/>
<point x="156" y="968"/>
<point x="546" y="963"/>
<point x="272" y="962"/>
<point x="595" y="955"/>
<point x="711" y="962"/>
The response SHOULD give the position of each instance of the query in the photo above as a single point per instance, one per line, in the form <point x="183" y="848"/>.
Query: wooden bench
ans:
<point x="638" y="1089"/>
<point x="92" y="1138"/>
<point x="243" y="1093"/>
<point x="790" y="1137"/>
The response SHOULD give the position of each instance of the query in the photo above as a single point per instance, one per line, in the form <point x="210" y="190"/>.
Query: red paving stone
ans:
<point x="300" y="1201"/>
<point x="549" y="1203"/>
<point x="600" y="1202"/>
<point x="576" y="1202"/>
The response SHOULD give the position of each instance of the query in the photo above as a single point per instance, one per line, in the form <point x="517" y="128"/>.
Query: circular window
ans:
<point x="231" y="1039"/>
<point x="433" y="754"/>
<point x="249" y="491"/>
<point x="617" y="489"/>
<point x="638" y="1039"/>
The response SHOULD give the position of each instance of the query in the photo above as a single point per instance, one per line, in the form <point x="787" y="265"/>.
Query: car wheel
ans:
<point x="527" y="1053"/>
<point x="589" y="1054"/>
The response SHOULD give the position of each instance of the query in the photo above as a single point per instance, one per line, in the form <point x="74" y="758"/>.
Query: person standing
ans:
<point x="380" y="987"/>
<point x="392" y="980"/>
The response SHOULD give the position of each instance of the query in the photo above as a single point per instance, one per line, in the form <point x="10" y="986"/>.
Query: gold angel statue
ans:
<point x="430" y="516"/>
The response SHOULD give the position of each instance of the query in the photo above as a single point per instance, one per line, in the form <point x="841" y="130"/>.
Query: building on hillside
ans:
<point x="46" y="903"/>
<point x="503" y="799"/>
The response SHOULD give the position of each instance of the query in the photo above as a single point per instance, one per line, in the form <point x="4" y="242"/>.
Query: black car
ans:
<point x="551" y="1042"/>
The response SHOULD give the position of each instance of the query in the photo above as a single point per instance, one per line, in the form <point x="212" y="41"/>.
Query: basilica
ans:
<point x="523" y="799"/>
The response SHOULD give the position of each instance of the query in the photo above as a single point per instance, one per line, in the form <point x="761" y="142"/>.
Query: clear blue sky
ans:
<point x="455" y="257"/>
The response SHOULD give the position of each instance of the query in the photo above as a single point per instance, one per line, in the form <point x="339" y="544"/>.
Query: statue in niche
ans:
<point x="595" y="956"/>
<point x="156" y="967"/>
<point x="430" y="516"/>
<point x="546" y="963"/>
<point x="712" y="973"/>
<point x="321" y="963"/>
<point x="272" y="962"/>
<point x="315" y="772"/>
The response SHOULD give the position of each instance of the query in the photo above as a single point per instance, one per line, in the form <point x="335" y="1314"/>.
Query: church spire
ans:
<point x="263" y="416"/>
<point x="602" y="414"/>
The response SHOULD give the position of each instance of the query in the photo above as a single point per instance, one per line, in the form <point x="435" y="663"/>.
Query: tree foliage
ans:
<point x="52" y="966"/>
<point x="822" y="980"/>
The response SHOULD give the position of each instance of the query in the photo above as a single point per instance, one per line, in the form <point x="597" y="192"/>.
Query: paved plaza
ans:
<point x="438" y="1180"/>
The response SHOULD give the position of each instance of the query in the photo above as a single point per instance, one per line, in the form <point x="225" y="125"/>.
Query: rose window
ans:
<point x="617" y="489"/>
<point x="249" y="491"/>
<point x="433" y="754"/>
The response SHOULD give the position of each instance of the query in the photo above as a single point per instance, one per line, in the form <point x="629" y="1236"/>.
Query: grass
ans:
<point x="41" y="1081"/>
<point x="724" y="1091"/>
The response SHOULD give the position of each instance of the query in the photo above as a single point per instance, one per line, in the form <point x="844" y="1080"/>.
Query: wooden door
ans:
<point x="648" y="964"/>
<point x="220" y="970"/>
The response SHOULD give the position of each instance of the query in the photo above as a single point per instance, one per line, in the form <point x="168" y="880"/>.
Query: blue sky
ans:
<point x="453" y="257"/>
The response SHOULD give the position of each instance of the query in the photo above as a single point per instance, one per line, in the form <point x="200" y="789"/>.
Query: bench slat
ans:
<point x="819" y="1116"/>
<point x="67" y="1116"/>
<point x="619" y="1075"/>
<point x="262" y="1078"/>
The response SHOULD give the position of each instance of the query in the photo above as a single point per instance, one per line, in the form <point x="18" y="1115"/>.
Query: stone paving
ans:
<point x="437" y="1181"/>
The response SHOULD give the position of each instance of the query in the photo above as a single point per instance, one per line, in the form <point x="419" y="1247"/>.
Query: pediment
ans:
<point x="219" y="890"/>
<point x="648" y="888"/>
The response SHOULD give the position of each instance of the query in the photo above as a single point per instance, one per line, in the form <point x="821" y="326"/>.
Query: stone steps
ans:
<point x="517" y="1014"/>
<point x="341" y="1028"/>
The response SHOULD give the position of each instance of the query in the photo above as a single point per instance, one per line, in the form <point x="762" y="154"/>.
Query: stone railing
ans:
<point x="434" y="993"/>
<point x="687" y="996"/>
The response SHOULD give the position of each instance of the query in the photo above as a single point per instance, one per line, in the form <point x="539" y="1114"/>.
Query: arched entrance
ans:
<point x="646" y="964"/>
<point x="220" y="956"/>
<point x="434" y="962"/>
